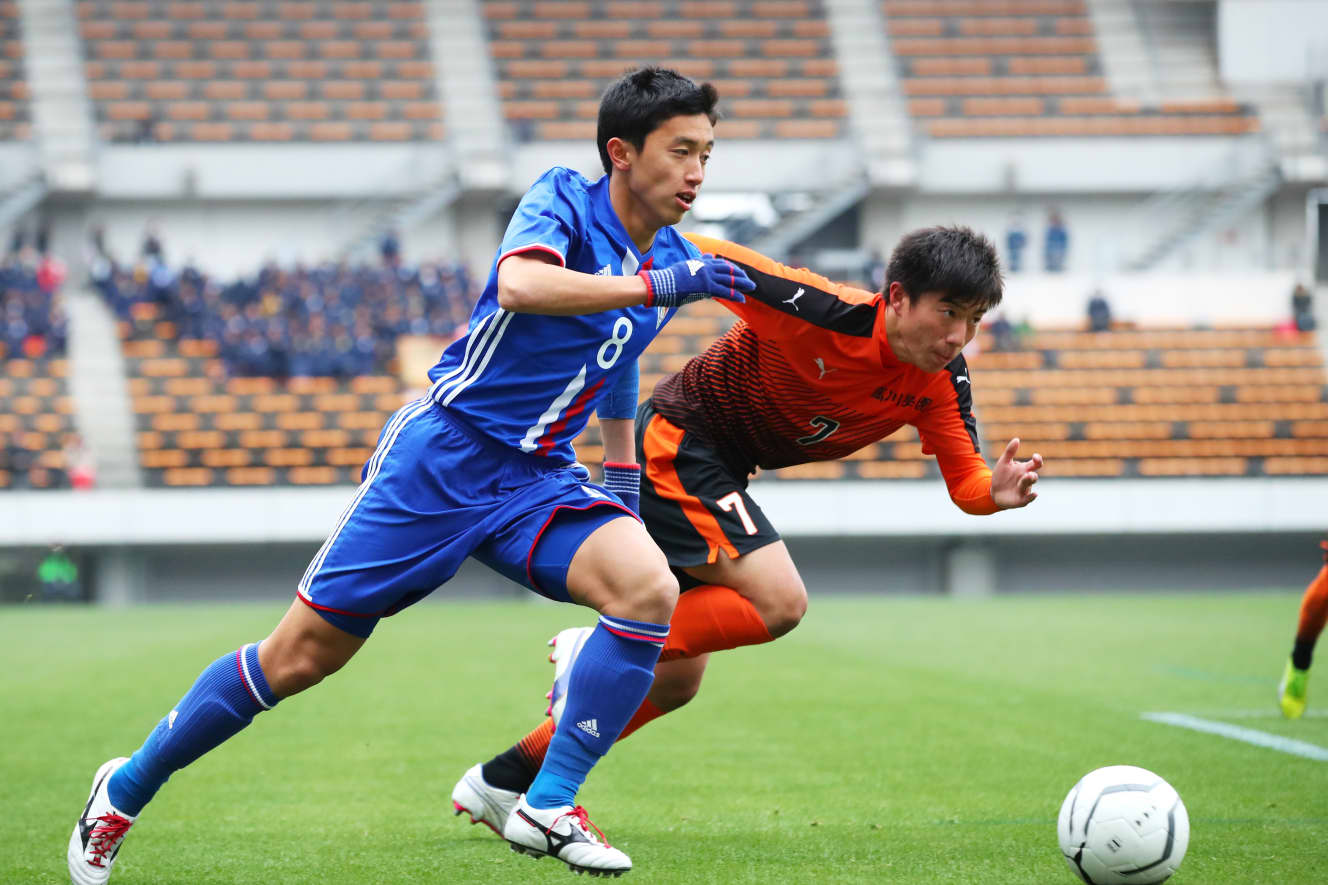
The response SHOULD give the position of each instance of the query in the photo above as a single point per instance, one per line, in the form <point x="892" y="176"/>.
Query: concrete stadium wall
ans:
<point x="1185" y="562"/>
<point x="1080" y="535"/>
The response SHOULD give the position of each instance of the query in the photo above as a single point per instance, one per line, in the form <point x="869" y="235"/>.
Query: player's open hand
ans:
<point x="695" y="279"/>
<point x="1012" y="481"/>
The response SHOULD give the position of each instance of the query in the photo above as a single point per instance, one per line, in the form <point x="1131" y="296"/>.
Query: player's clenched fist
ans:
<point x="694" y="279"/>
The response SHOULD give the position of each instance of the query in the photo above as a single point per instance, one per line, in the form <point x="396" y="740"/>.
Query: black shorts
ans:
<point x="692" y="503"/>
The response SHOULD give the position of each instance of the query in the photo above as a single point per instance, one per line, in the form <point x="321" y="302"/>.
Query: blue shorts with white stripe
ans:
<point x="434" y="492"/>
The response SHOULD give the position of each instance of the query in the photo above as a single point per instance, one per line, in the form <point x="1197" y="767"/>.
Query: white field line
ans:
<point x="1240" y="733"/>
<point x="1269" y="712"/>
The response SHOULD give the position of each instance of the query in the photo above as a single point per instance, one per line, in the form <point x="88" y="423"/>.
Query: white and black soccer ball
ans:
<point x="1123" y="824"/>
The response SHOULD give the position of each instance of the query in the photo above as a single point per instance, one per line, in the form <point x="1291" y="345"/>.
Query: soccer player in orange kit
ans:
<point x="1291" y="693"/>
<point x="814" y="371"/>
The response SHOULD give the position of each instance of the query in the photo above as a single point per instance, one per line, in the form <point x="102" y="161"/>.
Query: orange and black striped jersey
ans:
<point x="808" y="375"/>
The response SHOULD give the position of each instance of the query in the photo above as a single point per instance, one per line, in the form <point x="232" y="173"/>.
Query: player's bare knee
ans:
<point x="292" y="674"/>
<point x="784" y="610"/>
<point x="292" y="667"/>
<point x="649" y="596"/>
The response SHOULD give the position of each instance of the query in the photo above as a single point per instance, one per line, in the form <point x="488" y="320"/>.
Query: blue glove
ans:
<point x="694" y="279"/>
<point x="624" y="480"/>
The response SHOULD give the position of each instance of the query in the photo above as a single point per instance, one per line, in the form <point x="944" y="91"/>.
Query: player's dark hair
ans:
<point x="956" y="261"/>
<point x="638" y="102"/>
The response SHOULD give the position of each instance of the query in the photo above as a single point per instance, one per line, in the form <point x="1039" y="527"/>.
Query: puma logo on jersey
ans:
<point x="694" y="265"/>
<point x="820" y="364"/>
<point x="794" y="300"/>
<point x="963" y="378"/>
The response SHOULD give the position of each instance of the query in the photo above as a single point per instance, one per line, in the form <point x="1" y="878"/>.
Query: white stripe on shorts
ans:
<point x="390" y="435"/>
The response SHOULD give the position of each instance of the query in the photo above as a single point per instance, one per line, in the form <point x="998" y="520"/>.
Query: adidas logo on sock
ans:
<point x="589" y="726"/>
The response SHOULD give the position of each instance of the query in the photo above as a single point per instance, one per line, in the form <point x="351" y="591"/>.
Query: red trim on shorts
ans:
<point x="335" y="611"/>
<point x="530" y="576"/>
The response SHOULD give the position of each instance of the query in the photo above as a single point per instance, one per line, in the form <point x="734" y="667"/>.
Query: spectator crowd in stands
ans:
<point x="32" y="319"/>
<point x="332" y="319"/>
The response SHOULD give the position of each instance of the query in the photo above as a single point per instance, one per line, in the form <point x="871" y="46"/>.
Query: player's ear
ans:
<point x="621" y="154"/>
<point x="895" y="296"/>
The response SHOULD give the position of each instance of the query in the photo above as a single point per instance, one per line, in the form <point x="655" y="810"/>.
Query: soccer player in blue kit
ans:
<point x="483" y="466"/>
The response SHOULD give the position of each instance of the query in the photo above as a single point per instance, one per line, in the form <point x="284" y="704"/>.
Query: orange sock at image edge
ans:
<point x="1314" y="608"/>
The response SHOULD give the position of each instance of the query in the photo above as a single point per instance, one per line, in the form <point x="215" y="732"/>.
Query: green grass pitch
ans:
<point x="899" y="740"/>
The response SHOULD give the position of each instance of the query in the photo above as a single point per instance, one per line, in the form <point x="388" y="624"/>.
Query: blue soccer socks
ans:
<point x="223" y="701"/>
<point x="612" y="675"/>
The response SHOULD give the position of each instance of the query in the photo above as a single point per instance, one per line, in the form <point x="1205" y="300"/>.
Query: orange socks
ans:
<point x="712" y="618"/>
<point x="534" y="745"/>
<point x="647" y="712"/>
<point x="708" y="618"/>
<point x="1313" y="608"/>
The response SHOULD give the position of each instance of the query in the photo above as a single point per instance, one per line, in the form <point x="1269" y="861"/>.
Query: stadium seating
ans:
<point x="1179" y="402"/>
<point x="771" y="61"/>
<point x="203" y="419"/>
<point x="15" y="118"/>
<point x="32" y="320"/>
<point x="331" y="319"/>
<point x="293" y="70"/>
<point x="197" y="427"/>
<point x="1146" y="403"/>
<point x="35" y="423"/>
<point x="1026" y="68"/>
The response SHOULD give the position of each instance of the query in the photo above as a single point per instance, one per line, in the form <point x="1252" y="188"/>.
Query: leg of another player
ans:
<point x="487" y="792"/>
<point x="746" y="601"/>
<point x="1313" y="615"/>
<point x="749" y="600"/>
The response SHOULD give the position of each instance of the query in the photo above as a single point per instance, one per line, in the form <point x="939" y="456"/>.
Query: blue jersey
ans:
<point x="530" y="381"/>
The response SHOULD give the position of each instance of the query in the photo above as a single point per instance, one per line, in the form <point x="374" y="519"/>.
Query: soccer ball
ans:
<point x="1123" y="824"/>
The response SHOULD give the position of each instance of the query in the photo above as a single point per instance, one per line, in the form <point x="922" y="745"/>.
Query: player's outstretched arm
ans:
<point x="1012" y="481"/>
<point x="534" y="283"/>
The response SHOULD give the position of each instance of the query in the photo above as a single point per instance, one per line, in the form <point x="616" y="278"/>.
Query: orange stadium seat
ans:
<point x="554" y="58"/>
<point x="998" y="58"/>
<point x="219" y="72"/>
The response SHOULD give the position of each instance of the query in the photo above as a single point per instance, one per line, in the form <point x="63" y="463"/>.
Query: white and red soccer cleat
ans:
<point x="566" y="646"/>
<point x="99" y="832"/>
<point x="567" y="834"/>
<point x="485" y="803"/>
